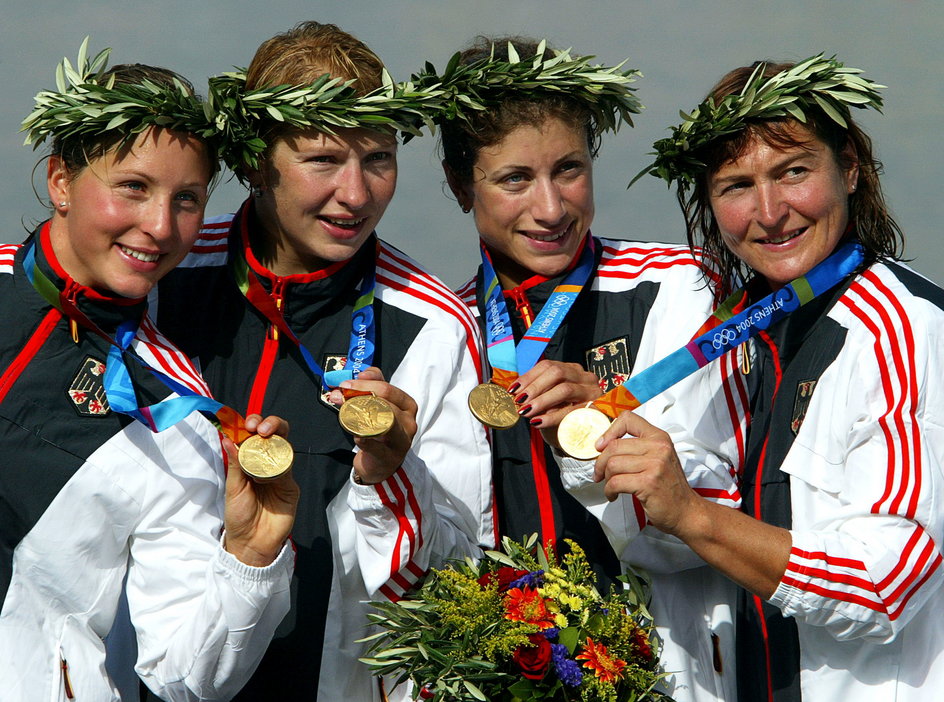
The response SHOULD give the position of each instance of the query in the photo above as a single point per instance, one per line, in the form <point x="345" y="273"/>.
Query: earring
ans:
<point x="257" y="191"/>
<point x="63" y="204"/>
<point x="465" y="210"/>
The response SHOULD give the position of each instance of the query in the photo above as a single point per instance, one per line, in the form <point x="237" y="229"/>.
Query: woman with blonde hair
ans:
<point x="293" y="305"/>
<point x="111" y="483"/>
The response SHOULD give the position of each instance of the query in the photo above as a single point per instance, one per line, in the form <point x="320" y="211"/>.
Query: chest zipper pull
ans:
<point x="522" y="306"/>
<point x="71" y="293"/>
<point x="66" y="683"/>
<point x="279" y="299"/>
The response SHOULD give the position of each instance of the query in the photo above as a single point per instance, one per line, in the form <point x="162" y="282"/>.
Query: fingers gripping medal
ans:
<point x="265" y="458"/>
<point x="579" y="430"/>
<point x="492" y="405"/>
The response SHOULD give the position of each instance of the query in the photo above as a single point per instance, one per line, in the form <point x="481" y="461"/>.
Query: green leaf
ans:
<point x="475" y="691"/>
<point x="569" y="636"/>
<point x="830" y="110"/>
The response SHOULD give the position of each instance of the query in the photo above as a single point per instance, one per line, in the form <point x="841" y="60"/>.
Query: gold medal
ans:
<point x="493" y="406"/>
<point x="265" y="458"/>
<point x="579" y="431"/>
<point x="366" y="415"/>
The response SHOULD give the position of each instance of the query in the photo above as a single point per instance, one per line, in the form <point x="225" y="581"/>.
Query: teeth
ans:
<point x="140" y="255"/>
<point x="347" y="223"/>
<point x="549" y="237"/>
<point x="785" y="237"/>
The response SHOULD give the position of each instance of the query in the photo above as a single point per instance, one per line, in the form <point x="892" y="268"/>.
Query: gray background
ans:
<point x="681" y="48"/>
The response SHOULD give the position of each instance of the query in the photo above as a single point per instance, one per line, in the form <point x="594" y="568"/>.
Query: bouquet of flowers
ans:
<point x="519" y="625"/>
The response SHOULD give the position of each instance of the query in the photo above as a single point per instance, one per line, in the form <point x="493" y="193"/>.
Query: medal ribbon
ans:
<point x="361" y="347"/>
<point x="119" y="388"/>
<point x="727" y="329"/>
<point x="507" y="360"/>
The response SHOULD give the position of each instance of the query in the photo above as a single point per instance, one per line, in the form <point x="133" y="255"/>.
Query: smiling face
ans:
<point x="322" y="196"/>
<point x="131" y="215"/>
<point x="532" y="198"/>
<point x="783" y="210"/>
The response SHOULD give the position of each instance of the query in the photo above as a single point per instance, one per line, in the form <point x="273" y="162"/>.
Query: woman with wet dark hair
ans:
<point x="837" y="545"/>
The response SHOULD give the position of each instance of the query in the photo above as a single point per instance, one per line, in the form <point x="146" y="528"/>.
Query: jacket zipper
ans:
<point x="522" y="305"/>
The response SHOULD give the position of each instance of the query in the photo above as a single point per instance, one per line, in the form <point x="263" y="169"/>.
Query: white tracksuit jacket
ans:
<point x="89" y="498"/>
<point x="864" y="463"/>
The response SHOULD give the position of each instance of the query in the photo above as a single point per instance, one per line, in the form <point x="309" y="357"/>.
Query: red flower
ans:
<point x="425" y="694"/>
<point x="597" y="658"/>
<point x="534" y="659"/>
<point x="526" y="605"/>
<point x="641" y="644"/>
<point x="503" y="576"/>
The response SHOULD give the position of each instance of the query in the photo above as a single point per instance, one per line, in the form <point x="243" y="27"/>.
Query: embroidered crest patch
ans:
<point x="87" y="390"/>
<point x="611" y="362"/>
<point x="332" y="362"/>
<point x="804" y="394"/>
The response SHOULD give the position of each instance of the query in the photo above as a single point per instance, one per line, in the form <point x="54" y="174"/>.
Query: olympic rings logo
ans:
<point x="723" y="338"/>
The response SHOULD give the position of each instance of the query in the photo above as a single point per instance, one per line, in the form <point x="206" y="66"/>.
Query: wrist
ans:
<point x="247" y="555"/>
<point x="359" y="479"/>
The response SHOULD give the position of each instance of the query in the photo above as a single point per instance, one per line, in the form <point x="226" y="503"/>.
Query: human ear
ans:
<point x="463" y="196"/>
<point x="58" y="181"/>
<point x="849" y="163"/>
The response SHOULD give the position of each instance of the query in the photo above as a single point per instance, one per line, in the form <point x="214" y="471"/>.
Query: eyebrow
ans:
<point x="780" y="164"/>
<point x="571" y="156"/>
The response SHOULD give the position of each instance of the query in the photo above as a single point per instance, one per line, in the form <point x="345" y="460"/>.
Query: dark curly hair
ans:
<point x="461" y="140"/>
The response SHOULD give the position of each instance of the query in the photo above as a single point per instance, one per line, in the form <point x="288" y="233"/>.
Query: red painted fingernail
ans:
<point x="524" y="410"/>
<point x="536" y="422"/>
<point x="514" y="387"/>
<point x="521" y="398"/>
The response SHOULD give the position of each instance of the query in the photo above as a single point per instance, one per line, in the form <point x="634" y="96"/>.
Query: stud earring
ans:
<point x="257" y="191"/>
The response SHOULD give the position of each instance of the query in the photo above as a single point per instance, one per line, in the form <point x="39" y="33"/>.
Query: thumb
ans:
<point x="626" y="423"/>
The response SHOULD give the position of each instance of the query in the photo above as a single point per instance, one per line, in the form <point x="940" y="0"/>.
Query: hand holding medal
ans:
<point x="262" y="497"/>
<point x="492" y="403"/>
<point x="382" y="419"/>
<point x="729" y="326"/>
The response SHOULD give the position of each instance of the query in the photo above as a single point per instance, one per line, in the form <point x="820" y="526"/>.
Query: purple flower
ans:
<point x="551" y="633"/>
<point x="534" y="579"/>
<point x="568" y="670"/>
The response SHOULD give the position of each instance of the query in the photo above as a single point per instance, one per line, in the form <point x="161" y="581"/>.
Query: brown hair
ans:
<point x="76" y="152"/>
<point x="462" y="140"/>
<point x="308" y="51"/>
<point x="875" y="228"/>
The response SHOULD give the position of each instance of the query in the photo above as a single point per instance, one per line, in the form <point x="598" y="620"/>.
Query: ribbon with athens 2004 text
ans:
<point x="507" y="359"/>
<point x="726" y="330"/>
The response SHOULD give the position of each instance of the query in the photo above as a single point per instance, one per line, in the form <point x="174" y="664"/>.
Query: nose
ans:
<point x="352" y="190"/>
<point x="771" y="206"/>
<point x="159" y="218"/>
<point x="547" y="206"/>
